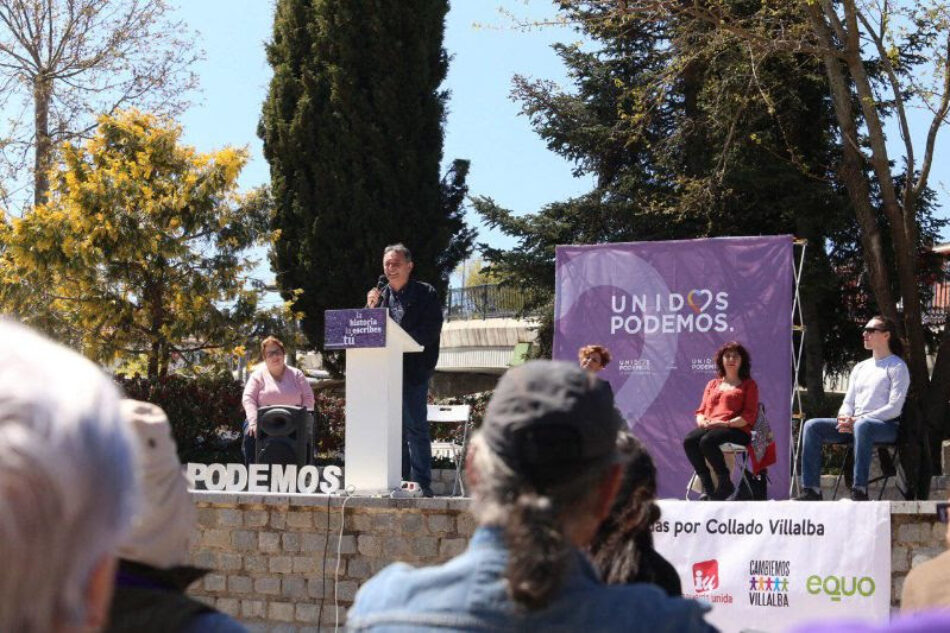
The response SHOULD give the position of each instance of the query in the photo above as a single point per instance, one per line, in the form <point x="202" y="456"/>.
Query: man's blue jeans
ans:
<point x="416" y="446"/>
<point x="867" y="432"/>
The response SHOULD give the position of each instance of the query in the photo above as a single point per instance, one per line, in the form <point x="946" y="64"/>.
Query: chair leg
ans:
<point x="888" y="468"/>
<point x="880" y="495"/>
<point x="841" y="469"/>
<point x="458" y="474"/>
<point x="689" y="486"/>
<point x="461" y="461"/>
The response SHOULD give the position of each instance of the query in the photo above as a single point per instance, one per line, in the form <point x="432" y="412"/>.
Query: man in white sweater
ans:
<point x="869" y="414"/>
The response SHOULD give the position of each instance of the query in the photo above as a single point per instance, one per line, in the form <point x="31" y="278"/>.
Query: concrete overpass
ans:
<point x="481" y="338"/>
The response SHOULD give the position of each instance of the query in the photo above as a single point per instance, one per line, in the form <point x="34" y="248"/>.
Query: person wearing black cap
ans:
<point x="543" y="471"/>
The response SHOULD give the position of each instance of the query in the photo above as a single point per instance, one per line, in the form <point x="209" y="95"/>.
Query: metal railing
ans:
<point x="485" y="302"/>
<point x="935" y="310"/>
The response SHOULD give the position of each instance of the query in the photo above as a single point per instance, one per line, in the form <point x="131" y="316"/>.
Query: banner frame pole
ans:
<point x="795" y="406"/>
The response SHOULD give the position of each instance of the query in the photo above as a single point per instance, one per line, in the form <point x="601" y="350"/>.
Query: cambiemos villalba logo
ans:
<point x="768" y="583"/>
<point x="706" y="583"/>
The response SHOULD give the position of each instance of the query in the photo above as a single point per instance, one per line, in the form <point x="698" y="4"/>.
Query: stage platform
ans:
<point x="282" y="562"/>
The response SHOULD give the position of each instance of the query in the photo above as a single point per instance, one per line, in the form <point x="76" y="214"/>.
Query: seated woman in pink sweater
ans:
<point x="273" y="382"/>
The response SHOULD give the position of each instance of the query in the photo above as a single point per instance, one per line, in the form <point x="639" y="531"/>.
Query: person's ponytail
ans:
<point x="894" y="342"/>
<point x="538" y="551"/>
<point x="534" y="523"/>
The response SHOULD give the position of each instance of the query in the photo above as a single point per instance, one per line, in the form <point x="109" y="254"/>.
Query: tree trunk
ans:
<point x="153" y="355"/>
<point x="814" y="358"/>
<point x="903" y="221"/>
<point x="158" y="354"/>
<point x="42" y="94"/>
<point x="811" y="299"/>
<point x="165" y="359"/>
<point x="915" y="445"/>
<point x="851" y="170"/>
<point x="935" y="405"/>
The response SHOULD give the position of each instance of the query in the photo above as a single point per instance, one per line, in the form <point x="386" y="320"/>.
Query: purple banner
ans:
<point x="662" y="309"/>
<point x="349" y="329"/>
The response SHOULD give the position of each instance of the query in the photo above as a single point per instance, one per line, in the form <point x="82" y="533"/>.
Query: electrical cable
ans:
<point x="323" y="566"/>
<point x="339" y="557"/>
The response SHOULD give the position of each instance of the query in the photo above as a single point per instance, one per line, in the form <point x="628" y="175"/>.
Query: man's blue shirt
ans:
<point x="468" y="593"/>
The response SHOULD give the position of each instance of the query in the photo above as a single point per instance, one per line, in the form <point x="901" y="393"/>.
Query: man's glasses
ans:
<point x="872" y="330"/>
<point x="943" y="511"/>
<point x="274" y="353"/>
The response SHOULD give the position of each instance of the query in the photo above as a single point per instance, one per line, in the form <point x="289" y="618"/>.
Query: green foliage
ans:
<point x="279" y="321"/>
<point x="689" y="135"/>
<point x="879" y="60"/>
<point x="63" y="63"/>
<point x="139" y="249"/>
<point x="681" y="143"/>
<point x="205" y="413"/>
<point x="330" y="419"/>
<point x="206" y="416"/>
<point x="352" y="129"/>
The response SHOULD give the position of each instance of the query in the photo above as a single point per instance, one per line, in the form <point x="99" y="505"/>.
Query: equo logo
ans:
<point x="838" y="587"/>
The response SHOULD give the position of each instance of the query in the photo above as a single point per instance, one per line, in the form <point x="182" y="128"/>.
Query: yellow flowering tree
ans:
<point x="140" y="249"/>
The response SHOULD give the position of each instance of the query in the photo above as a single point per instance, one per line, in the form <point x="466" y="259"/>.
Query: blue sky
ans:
<point x="509" y="162"/>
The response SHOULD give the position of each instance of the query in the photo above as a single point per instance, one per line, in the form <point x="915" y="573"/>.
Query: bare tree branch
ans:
<point x="935" y="124"/>
<point x="77" y="59"/>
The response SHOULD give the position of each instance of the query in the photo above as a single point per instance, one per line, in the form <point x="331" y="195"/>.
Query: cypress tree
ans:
<point x="352" y="129"/>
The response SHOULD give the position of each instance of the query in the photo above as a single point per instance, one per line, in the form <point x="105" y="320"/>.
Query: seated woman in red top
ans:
<point x="727" y="414"/>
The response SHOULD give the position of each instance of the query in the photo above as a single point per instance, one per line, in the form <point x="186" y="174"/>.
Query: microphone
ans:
<point x="379" y="286"/>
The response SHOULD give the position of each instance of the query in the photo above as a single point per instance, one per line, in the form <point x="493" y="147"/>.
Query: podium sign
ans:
<point x="374" y="345"/>
<point x="351" y="329"/>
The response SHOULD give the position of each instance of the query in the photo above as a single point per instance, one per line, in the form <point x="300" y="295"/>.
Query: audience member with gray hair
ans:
<point x="543" y="471"/>
<point x="67" y="486"/>
<point x="153" y="570"/>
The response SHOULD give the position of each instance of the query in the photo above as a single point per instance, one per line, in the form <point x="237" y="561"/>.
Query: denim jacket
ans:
<point x="468" y="593"/>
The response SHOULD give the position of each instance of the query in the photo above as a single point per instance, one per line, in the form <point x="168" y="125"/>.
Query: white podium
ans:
<point x="374" y="345"/>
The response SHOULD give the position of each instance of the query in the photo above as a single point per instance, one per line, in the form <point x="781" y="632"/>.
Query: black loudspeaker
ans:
<point x="283" y="435"/>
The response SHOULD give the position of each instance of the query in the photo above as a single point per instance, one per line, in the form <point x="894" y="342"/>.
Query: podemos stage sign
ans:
<point x="772" y="566"/>
<point x="280" y="478"/>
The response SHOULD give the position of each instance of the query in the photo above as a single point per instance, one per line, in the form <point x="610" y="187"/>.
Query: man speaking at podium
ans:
<point x="415" y="306"/>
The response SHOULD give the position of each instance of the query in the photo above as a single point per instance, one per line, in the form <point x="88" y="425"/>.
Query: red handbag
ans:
<point x="768" y="458"/>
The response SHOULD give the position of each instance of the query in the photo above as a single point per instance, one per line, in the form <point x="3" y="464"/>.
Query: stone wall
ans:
<point x="282" y="564"/>
<point x="916" y="537"/>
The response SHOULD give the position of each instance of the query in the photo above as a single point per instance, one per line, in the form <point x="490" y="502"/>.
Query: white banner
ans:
<point x="771" y="565"/>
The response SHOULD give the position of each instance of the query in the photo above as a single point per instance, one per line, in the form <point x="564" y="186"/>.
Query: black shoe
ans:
<point x="724" y="490"/>
<point x="858" y="495"/>
<point x="809" y="495"/>
<point x="708" y="487"/>
<point x="427" y="493"/>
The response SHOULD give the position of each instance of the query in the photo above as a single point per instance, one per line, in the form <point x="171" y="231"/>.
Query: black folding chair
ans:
<point x="889" y="457"/>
